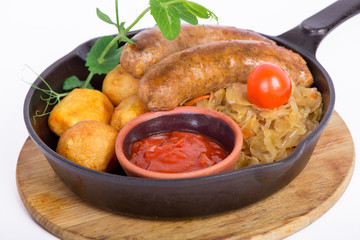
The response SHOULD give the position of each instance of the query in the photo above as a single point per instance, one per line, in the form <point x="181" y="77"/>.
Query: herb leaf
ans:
<point x="185" y="14"/>
<point x="110" y="60"/>
<point x="104" y="17"/>
<point x="74" y="82"/>
<point x="166" y="17"/>
<point x="199" y="10"/>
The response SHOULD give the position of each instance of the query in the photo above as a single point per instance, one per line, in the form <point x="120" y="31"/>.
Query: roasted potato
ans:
<point x="90" y="144"/>
<point x="128" y="109"/>
<point x="118" y="85"/>
<point x="80" y="105"/>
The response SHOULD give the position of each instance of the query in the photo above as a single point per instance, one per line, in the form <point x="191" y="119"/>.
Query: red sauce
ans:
<point x="174" y="152"/>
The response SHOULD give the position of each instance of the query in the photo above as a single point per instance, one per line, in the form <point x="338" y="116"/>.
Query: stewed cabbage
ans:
<point x="269" y="134"/>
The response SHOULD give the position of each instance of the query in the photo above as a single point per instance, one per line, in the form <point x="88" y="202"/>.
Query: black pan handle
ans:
<point x="313" y="30"/>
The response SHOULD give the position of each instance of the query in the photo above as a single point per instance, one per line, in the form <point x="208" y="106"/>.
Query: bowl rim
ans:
<point x="216" y="168"/>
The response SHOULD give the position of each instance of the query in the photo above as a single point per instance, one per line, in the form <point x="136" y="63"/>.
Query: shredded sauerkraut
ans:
<point x="269" y="134"/>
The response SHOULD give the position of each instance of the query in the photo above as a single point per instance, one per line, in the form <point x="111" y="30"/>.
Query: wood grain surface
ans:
<point x="297" y="205"/>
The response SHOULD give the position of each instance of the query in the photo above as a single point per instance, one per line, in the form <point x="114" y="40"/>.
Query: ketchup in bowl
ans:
<point x="176" y="152"/>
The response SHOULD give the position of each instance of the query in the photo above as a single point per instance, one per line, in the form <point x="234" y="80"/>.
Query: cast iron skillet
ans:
<point x="185" y="198"/>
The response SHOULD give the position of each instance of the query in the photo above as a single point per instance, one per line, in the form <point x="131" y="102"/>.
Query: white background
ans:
<point x="38" y="32"/>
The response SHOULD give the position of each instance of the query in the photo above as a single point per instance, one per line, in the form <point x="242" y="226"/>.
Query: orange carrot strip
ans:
<point x="197" y="99"/>
<point x="247" y="133"/>
<point x="314" y="96"/>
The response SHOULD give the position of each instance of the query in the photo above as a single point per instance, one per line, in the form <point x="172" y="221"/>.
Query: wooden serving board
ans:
<point x="297" y="205"/>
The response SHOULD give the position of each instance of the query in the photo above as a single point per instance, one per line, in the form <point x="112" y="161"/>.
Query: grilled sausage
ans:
<point x="151" y="46"/>
<point x="199" y="70"/>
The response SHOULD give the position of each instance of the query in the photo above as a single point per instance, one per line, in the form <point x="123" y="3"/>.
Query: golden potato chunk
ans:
<point x="80" y="105"/>
<point x="90" y="144"/>
<point x="118" y="85"/>
<point x="127" y="110"/>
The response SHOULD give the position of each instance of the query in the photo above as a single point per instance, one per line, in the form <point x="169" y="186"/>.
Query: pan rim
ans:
<point x="175" y="182"/>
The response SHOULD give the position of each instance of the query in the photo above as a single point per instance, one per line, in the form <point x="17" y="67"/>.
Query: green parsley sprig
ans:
<point x="104" y="55"/>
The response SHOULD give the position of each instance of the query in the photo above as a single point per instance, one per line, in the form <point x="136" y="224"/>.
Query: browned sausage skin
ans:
<point x="151" y="46"/>
<point x="199" y="70"/>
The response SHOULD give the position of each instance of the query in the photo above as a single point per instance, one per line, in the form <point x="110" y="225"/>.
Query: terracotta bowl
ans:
<point x="210" y="123"/>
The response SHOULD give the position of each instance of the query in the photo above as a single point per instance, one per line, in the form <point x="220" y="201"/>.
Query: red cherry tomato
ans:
<point x="268" y="86"/>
